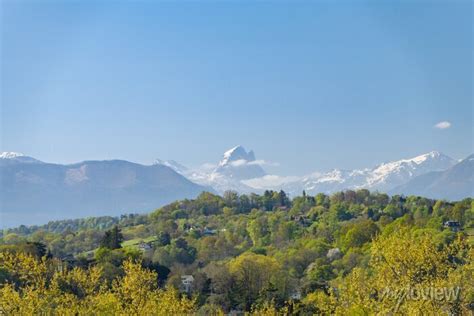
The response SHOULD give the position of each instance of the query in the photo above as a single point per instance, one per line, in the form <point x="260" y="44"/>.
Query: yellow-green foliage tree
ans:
<point x="254" y="274"/>
<point x="409" y="274"/>
<point x="46" y="287"/>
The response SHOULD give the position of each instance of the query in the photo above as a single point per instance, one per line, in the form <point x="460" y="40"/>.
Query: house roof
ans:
<point x="187" y="277"/>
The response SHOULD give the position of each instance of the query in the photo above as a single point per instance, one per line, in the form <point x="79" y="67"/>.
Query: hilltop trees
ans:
<point x="112" y="239"/>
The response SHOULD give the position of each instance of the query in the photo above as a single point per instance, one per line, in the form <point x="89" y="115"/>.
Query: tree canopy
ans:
<point x="353" y="252"/>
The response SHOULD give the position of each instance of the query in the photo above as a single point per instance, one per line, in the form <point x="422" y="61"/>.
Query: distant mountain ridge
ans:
<point x="382" y="177"/>
<point x="455" y="183"/>
<point x="233" y="173"/>
<point x="14" y="157"/>
<point x="35" y="192"/>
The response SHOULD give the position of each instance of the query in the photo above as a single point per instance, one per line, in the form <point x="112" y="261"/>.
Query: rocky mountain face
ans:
<point x="239" y="164"/>
<point x="235" y="166"/>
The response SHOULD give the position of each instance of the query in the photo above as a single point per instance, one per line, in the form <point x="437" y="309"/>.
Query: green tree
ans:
<point x="258" y="230"/>
<point x="253" y="273"/>
<point x="360" y="233"/>
<point x="112" y="239"/>
<point x="164" y="238"/>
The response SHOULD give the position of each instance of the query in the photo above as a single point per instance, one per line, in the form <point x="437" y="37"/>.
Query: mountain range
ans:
<point x="383" y="177"/>
<point x="455" y="183"/>
<point x="33" y="191"/>
<point x="240" y="171"/>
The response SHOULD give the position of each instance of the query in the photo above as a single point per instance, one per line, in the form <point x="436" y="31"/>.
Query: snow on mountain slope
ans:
<point x="238" y="164"/>
<point x="455" y="183"/>
<point x="235" y="166"/>
<point x="8" y="157"/>
<point x="235" y="154"/>
<point x="176" y="166"/>
<point x="334" y="180"/>
<point x="239" y="170"/>
<point x="383" y="177"/>
<point x="389" y="175"/>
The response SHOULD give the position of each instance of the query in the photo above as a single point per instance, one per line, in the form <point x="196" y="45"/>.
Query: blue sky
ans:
<point x="309" y="85"/>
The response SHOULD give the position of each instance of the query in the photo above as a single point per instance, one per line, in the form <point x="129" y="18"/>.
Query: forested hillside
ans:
<point x="353" y="252"/>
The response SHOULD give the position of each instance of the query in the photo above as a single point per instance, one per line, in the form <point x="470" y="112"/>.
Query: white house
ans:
<point x="187" y="282"/>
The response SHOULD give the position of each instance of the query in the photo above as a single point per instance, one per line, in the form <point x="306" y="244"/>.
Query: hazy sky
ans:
<point x="310" y="86"/>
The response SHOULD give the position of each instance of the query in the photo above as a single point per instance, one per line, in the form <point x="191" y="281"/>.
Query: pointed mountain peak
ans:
<point x="234" y="150"/>
<point x="238" y="163"/>
<point x="432" y="155"/>
<point x="237" y="153"/>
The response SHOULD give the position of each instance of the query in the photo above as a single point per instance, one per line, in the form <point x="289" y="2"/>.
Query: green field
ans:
<point x="134" y="242"/>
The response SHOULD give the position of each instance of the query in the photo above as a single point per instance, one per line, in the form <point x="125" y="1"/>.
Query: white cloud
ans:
<point x="264" y="163"/>
<point x="270" y="181"/>
<point x="243" y="162"/>
<point x="238" y="163"/>
<point x="443" y="125"/>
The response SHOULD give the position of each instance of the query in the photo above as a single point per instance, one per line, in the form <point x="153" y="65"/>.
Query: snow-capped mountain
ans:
<point x="239" y="164"/>
<point x="236" y="153"/>
<point x="332" y="181"/>
<point x="235" y="166"/>
<point x="239" y="170"/>
<point x="455" y="183"/>
<point x="383" y="177"/>
<point x="388" y="175"/>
